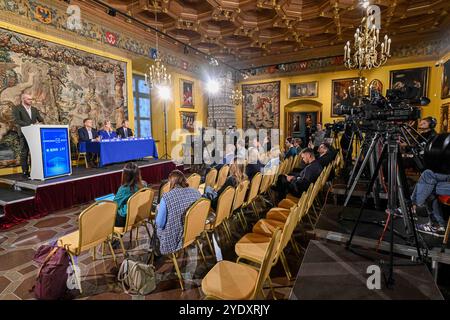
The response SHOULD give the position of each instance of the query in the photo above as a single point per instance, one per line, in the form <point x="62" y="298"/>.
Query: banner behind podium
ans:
<point x="50" y="151"/>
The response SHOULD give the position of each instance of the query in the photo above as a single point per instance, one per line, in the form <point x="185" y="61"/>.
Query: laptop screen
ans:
<point x="106" y="197"/>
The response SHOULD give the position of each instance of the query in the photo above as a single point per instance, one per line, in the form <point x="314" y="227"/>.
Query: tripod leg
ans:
<point x="352" y="173"/>
<point x="366" y="196"/>
<point x="361" y="169"/>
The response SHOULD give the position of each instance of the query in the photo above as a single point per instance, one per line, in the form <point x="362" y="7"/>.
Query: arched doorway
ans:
<point x="300" y="116"/>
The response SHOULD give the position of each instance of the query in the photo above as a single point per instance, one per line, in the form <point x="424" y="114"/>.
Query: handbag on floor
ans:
<point x="137" y="277"/>
<point x="51" y="281"/>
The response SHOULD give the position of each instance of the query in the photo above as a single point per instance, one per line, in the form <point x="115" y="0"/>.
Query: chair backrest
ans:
<point x="288" y="228"/>
<point x="194" y="181"/>
<point x="302" y="202"/>
<point x="265" y="183"/>
<point x="254" y="187"/>
<point x="164" y="189"/>
<point x="96" y="224"/>
<point x="194" y="220"/>
<point x="268" y="261"/>
<point x="239" y="195"/>
<point x="222" y="176"/>
<point x="139" y="207"/>
<point x="309" y="198"/>
<point x="210" y="179"/>
<point x="224" y="205"/>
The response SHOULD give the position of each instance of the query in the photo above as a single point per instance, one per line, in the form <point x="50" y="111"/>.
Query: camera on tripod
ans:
<point x="335" y="127"/>
<point x="397" y="106"/>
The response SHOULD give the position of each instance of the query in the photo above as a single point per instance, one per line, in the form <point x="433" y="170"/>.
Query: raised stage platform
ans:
<point x="336" y="223"/>
<point x="22" y="199"/>
<point x="329" y="271"/>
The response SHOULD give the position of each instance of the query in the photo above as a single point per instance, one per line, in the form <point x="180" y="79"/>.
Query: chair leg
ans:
<point x="93" y="253"/>
<point x="112" y="252"/>
<point x="122" y="246"/>
<point x="103" y="249"/>
<point x="201" y="250"/>
<point x="137" y="235"/>
<point x="255" y="210"/>
<point x="285" y="266"/>
<point x="295" y="247"/>
<point x="209" y="243"/>
<point x="175" y="262"/>
<point x="227" y="231"/>
<point x="271" y="288"/>
<point x="75" y="272"/>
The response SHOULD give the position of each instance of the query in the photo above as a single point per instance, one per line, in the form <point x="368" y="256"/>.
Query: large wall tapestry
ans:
<point x="261" y="107"/>
<point x="67" y="85"/>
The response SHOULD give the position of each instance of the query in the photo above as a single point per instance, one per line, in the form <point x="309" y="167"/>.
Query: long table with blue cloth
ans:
<point x="120" y="150"/>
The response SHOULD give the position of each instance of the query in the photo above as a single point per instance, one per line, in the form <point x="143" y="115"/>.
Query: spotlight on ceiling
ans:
<point x="112" y="12"/>
<point x="212" y="86"/>
<point x="213" y="62"/>
<point x="365" y="3"/>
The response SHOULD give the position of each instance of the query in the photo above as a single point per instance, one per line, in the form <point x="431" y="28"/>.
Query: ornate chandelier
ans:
<point x="236" y="96"/>
<point x="156" y="75"/>
<point x="369" y="52"/>
<point x="359" y="88"/>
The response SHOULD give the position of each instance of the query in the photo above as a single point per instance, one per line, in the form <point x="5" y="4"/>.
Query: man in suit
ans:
<point x="85" y="134"/>
<point x="124" y="132"/>
<point x="25" y="115"/>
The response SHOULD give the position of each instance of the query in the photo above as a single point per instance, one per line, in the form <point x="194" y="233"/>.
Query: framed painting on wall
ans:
<point x="444" y="118"/>
<point x="261" y="105"/>
<point x="412" y="82"/>
<point x="303" y="90"/>
<point x="341" y="95"/>
<point x="188" y="120"/>
<point x="187" y="93"/>
<point x="375" y="88"/>
<point x="445" y="87"/>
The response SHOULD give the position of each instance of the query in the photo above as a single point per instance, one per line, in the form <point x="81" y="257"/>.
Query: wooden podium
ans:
<point x="49" y="149"/>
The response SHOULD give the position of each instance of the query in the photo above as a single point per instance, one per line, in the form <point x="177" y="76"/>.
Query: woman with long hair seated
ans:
<point x="107" y="132"/>
<point x="236" y="176"/>
<point x="171" y="211"/>
<point x="131" y="183"/>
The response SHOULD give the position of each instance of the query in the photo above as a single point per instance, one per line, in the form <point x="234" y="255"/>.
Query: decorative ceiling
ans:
<point x="251" y="33"/>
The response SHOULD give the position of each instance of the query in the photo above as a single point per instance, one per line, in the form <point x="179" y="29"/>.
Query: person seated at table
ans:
<point x="235" y="177"/>
<point x="171" y="210"/>
<point x="107" y="132"/>
<point x="88" y="134"/>
<point x="131" y="183"/>
<point x="124" y="132"/>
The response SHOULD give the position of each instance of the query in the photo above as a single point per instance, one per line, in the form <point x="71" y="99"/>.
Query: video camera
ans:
<point x="397" y="106"/>
<point x="335" y="126"/>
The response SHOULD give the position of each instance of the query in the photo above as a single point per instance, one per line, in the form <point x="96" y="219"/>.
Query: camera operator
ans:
<point x="430" y="185"/>
<point x="426" y="128"/>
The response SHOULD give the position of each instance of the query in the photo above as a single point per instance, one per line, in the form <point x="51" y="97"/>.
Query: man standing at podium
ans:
<point x="124" y="132"/>
<point x="25" y="115"/>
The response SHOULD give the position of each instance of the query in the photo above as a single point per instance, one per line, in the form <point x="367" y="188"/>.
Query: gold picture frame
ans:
<point x="187" y="94"/>
<point x="308" y="89"/>
<point x="187" y="119"/>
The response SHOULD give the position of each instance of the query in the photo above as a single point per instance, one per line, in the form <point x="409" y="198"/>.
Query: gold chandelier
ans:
<point x="236" y="96"/>
<point x="359" y="88"/>
<point x="369" y="52"/>
<point x="157" y="75"/>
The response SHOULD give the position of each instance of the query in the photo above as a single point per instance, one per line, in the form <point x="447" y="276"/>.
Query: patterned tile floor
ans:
<point x="18" y="271"/>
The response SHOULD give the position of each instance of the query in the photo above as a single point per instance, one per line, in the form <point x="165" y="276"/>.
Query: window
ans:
<point x="142" y="107"/>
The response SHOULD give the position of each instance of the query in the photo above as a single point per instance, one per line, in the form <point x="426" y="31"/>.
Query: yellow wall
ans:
<point x="325" y="94"/>
<point x="441" y="69"/>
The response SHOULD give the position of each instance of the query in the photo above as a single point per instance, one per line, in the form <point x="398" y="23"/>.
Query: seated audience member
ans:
<point x="253" y="165"/>
<point x="326" y="156"/>
<point x="171" y="211"/>
<point x="297" y="184"/>
<point x="241" y="153"/>
<point x="131" y="183"/>
<point x="298" y="145"/>
<point x="319" y="136"/>
<point x="235" y="177"/>
<point x="124" y="132"/>
<point x="430" y="185"/>
<point x="426" y="129"/>
<point x="273" y="161"/>
<point x="229" y="156"/>
<point x="86" y="134"/>
<point x="107" y="131"/>
<point x="291" y="151"/>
